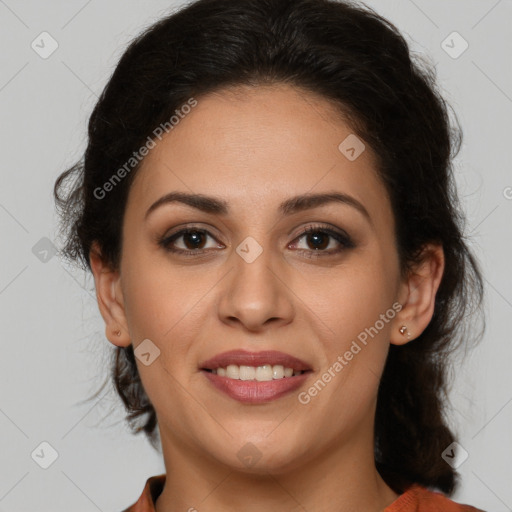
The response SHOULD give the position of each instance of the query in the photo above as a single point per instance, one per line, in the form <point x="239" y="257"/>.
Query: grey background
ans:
<point x="53" y="344"/>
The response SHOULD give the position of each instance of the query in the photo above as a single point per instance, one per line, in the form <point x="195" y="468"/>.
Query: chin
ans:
<point x="262" y="455"/>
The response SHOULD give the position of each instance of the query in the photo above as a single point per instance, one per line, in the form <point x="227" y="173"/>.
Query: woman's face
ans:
<point x="253" y="281"/>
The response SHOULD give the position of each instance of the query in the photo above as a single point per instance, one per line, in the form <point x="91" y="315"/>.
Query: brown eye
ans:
<point x="196" y="239"/>
<point x="193" y="241"/>
<point x="318" y="239"/>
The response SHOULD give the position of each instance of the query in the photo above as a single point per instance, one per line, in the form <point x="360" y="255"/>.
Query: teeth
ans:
<point x="247" y="373"/>
<point x="260" y="373"/>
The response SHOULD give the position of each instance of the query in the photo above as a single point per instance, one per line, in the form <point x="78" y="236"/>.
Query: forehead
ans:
<point x="257" y="146"/>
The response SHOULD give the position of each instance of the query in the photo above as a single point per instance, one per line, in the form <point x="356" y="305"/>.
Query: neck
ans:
<point x="341" y="478"/>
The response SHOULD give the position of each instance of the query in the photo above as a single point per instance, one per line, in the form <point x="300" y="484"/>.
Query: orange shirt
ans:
<point x="414" y="499"/>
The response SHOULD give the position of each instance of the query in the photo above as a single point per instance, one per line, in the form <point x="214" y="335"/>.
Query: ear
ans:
<point x="110" y="298"/>
<point x="417" y="295"/>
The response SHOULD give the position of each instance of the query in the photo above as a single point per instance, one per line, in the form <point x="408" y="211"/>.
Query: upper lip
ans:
<point x="246" y="358"/>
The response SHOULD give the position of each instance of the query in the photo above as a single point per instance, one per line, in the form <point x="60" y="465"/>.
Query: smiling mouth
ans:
<point x="263" y="373"/>
<point x="256" y="385"/>
<point x="255" y="377"/>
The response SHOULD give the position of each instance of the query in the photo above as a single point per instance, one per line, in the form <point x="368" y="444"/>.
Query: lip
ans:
<point x="253" y="391"/>
<point x="246" y="358"/>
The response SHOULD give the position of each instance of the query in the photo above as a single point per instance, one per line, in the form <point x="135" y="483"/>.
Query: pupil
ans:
<point x="316" y="237"/>
<point x="195" y="236"/>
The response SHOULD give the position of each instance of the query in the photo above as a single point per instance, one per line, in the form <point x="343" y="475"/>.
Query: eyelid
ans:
<point x="166" y="239"/>
<point x="209" y="229"/>
<point x="338" y="234"/>
<point x="321" y="226"/>
<point x="344" y="240"/>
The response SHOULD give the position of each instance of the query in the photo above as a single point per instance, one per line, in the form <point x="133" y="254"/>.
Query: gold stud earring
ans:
<point x="117" y="333"/>
<point x="403" y="329"/>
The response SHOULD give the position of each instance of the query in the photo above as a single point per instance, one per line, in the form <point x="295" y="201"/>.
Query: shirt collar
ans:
<point x="152" y="489"/>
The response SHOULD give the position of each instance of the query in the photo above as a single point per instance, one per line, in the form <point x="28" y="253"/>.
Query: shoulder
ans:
<point x="420" y="499"/>
<point x="152" y="489"/>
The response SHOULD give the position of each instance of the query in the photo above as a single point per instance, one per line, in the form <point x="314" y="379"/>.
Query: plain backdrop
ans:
<point x="53" y="345"/>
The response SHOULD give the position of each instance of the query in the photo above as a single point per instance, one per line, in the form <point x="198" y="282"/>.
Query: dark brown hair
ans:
<point x="359" y="61"/>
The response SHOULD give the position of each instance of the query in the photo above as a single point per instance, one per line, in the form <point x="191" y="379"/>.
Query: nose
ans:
<point x="256" y="293"/>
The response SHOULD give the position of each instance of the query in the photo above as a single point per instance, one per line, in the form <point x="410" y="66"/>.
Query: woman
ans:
<point x="268" y="209"/>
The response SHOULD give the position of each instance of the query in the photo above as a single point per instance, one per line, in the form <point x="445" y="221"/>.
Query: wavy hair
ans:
<point x="348" y="54"/>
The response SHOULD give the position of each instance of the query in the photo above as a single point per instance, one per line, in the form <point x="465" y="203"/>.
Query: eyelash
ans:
<point x="341" y="238"/>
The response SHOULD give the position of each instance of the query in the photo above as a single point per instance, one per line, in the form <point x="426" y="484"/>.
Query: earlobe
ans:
<point x="405" y="332"/>
<point x="109" y="297"/>
<point x="420" y="289"/>
<point x="401" y="334"/>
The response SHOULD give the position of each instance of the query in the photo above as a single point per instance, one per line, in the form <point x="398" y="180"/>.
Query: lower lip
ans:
<point x="253" y="391"/>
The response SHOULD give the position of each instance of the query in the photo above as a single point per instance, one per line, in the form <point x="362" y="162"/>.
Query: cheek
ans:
<point x="150" y="290"/>
<point x="351" y="300"/>
<point x="147" y="307"/>
<point x="157" y="308"/>
<point x="356" y="349"/>
<point x="163" y="303"/>
<point x="357" y="309"/>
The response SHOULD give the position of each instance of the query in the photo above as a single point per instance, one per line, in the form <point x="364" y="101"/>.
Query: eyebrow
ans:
<point x="213" y="205"/>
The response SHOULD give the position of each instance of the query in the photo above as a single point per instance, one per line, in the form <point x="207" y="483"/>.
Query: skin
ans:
<point x="254" y="148"/>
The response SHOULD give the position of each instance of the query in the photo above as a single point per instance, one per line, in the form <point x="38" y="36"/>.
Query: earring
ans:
<point x="403" y="329"/>
<point x="117" y="333"/>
